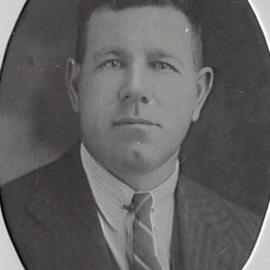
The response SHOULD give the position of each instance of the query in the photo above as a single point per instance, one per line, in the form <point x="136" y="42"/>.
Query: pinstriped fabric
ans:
<point x="210" y="233"/>
<point x="144" y="257"/>
<point x="213" y="232"/>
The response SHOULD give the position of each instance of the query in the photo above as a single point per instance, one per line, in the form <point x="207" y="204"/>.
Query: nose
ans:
<point x="135" y="87"/>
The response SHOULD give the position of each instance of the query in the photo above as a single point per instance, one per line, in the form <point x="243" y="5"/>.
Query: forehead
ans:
<point x="139" y="28"/>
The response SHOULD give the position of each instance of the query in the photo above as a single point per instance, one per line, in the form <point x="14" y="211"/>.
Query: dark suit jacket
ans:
<point x="52" y="218"/>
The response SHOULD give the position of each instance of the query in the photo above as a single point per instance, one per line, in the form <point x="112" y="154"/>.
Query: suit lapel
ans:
<point x="66" y="233"/>
<point x="66" y="219"/>
<point x="200" y="234"/>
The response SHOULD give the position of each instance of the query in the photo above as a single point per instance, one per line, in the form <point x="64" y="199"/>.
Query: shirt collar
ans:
<point x="111" y="198"/>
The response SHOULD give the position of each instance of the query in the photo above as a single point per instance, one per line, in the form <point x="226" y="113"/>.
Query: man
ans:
<point x="119" y="200"/>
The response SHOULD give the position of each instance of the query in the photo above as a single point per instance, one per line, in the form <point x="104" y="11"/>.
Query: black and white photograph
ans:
<point x="135" y="135"/>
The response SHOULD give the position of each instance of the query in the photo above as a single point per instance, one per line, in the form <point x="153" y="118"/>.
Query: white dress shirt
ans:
<point x="111" y="195"/>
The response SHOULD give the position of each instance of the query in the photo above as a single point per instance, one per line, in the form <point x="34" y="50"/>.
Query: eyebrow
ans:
<point x="119" y="52"/>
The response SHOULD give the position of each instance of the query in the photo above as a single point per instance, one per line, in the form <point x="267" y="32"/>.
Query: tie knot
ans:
<point x="142" y="202"/>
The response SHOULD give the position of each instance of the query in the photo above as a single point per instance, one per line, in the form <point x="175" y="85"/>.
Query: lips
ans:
<point x="134" y="121"/>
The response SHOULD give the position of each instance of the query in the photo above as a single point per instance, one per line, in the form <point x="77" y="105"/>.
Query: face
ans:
<point x="137" y="90"/>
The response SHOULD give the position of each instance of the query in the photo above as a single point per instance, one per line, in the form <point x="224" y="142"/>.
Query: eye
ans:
<point x="112" y="63"/>
<point x="160" y="65"/>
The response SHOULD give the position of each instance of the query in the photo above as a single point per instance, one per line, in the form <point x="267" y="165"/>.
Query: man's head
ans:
<point x="137" y="84"/>
<point x="188" y="7"/>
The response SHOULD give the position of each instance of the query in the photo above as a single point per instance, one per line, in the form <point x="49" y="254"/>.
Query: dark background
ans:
<point x="227" y="149"/>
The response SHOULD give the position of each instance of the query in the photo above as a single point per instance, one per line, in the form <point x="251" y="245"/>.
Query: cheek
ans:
<point x="178" y="108"/>
<point x="103" y="89"/>
<point x="176" y="95"/>
<point x="98" y="95"/>
<point x="93" y="113"/>
<point x="176" y="129"/>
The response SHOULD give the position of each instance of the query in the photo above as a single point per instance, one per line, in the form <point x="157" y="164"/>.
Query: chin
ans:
<point x="140" y="159"/>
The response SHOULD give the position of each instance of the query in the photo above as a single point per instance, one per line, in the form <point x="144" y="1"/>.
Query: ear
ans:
<point x="72" y="77"/>
<point x="205" y="79"/>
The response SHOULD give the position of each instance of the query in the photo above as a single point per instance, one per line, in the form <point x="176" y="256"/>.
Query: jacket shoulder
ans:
<point x="239" y="225"/>
<point x="16" y="194"/>
<point x="207" y="215"/>
<point x="236" y="213"/>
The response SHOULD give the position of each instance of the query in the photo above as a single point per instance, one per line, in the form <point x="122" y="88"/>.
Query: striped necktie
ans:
<point x="143" y="257"/>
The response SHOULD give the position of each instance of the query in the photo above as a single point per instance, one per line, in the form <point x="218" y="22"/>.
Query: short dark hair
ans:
<point x="187" y="7"/>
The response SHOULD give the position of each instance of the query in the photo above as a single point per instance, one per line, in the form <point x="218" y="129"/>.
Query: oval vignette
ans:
<point x="18" y="108"/>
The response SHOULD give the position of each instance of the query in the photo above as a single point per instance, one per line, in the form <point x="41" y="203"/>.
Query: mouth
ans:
<point x="134" y="121"/>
